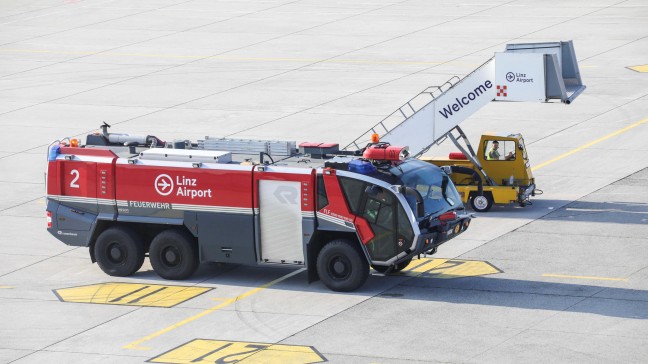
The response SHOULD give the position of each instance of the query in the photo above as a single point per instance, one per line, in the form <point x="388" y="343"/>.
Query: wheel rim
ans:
<point x="339" y="268"/>
<point x="171" y="256"/>
<point x="116" y="253"/>
<point x="481" y="202"/>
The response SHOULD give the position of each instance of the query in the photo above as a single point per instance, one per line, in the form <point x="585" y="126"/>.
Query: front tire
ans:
<point x="173" y="255"/>
<point x="481" y="203"/>
<point x="341" y="266"/>
<point x="119" y="251"/>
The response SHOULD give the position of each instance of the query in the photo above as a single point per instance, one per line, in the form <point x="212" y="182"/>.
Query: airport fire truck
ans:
<point x="252" y="202"/>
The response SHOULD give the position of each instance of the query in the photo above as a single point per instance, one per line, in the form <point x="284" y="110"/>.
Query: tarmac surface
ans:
<point x="563" y="280"/>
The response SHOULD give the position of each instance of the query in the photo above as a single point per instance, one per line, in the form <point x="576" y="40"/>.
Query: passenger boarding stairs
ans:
<point x="525" y="72"/>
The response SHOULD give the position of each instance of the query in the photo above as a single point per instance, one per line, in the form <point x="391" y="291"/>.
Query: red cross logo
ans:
<point x="501" y="90"/>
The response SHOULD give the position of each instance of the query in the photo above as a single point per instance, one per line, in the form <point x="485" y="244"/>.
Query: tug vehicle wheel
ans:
<point x="399" y="267"/>
<point x="481" y="203"/>
<point x="341" y="266"/>
<point x="173" y="255"/>
<point x="119" y="251"/>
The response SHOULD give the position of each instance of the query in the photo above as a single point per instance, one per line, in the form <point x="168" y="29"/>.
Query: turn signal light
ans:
<point x="49" y="219"/>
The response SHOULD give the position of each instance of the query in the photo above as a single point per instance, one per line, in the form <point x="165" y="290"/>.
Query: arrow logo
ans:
<point x="286" y="195"/>
<point x="163" y="184"/>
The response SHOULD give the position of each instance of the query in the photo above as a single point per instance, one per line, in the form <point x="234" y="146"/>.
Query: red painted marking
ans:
<point x="501" y="91"/>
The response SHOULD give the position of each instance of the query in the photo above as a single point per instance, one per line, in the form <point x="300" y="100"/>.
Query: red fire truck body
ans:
<point x="186" y="206"/>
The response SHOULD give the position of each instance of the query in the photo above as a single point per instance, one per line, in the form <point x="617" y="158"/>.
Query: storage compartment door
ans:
<point x="280" y="222"/>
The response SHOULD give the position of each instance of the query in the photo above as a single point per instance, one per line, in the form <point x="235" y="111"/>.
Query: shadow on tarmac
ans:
<point x="488" y="291"/>
<point x="527" y="294"/>
<point x="577" y="211"/>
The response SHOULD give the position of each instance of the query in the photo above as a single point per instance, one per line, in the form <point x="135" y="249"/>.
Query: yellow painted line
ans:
<point x="585" y="277"/>
<point x="443" y="268"/>
<point x="225" y="58"/>
<point x="220" y="351"/>
<point x="458" y="268"/>
<point x="6" y="287"/>
<point x="592" y="143"/>
<point x="428" y="265"/>
<point x="641" y="68"/>
<point x="130" y="294"/>
<point x="135" y="345"/>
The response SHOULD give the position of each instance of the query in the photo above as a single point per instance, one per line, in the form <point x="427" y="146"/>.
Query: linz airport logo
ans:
<point x="186" y="187"/>
<point x="164" y="184"/>
<point x="518" y="77"/>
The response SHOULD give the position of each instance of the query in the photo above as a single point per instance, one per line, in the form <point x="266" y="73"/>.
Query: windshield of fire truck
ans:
<point x="428" y="180"/>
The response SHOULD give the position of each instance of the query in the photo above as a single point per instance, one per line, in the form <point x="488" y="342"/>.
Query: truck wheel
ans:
<point x="399" y="267"/>
<point x="341" y="267"/>
<point x="119" y="251"/>
<point x="481" y="203"/>
<point x="173" y="255"/>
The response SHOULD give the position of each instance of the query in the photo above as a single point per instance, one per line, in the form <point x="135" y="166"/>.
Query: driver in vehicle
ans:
<point x="494" y="155"/>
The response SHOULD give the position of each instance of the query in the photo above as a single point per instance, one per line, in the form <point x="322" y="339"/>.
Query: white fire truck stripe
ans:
<point x="334" y="220"/>
<point x="86" y="158"/>
<point x="308" y="214"/>
<point x="175" y="206"/>
<point x="225" y="209"/>
<point x="104" y="201"/>
<point x="77" y="199"/>
<point x="73" y="199"/>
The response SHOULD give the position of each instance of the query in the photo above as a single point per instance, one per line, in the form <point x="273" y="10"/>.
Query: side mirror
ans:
<point x="520" y="147"/>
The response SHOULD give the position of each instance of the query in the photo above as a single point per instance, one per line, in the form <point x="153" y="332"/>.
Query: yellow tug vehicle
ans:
<point x="484" y="178"/>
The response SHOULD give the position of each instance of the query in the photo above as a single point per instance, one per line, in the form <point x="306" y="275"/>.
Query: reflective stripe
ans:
<point x="335" y="220"/>
<point x="174" y="206"/>
<point x="225" y="209"/>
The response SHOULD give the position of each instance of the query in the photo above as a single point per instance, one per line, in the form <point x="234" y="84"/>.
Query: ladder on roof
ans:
<point x="524" y="72"/>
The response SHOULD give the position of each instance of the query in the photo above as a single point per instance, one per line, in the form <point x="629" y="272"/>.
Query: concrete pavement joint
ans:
<point x="40" y="261"/>
<point x="588" y="119"/>
<point x="531" y="327"/>
<point x="21" y="204"/>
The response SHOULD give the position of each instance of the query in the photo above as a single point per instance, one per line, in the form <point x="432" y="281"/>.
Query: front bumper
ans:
<point x="442" y="232"/>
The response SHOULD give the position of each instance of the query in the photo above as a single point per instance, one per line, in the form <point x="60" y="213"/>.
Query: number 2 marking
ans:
<point x="73" y="183"/>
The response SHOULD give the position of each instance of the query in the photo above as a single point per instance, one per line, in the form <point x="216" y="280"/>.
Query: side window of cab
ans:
<point x="499" y="150"/>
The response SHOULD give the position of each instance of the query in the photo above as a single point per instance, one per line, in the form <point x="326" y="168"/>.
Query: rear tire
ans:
<point x="481" y="203"/>
<point x="119" y="251"/>
<point x="341" y="266"/>
<point x="173" y="255"/>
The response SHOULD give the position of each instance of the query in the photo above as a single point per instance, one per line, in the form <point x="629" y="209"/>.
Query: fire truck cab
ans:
<point x="182" y="203"/>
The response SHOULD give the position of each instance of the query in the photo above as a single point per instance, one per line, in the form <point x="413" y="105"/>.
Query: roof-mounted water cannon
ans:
<point x="385" y="152"/>
<point x="120" y="139"/>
